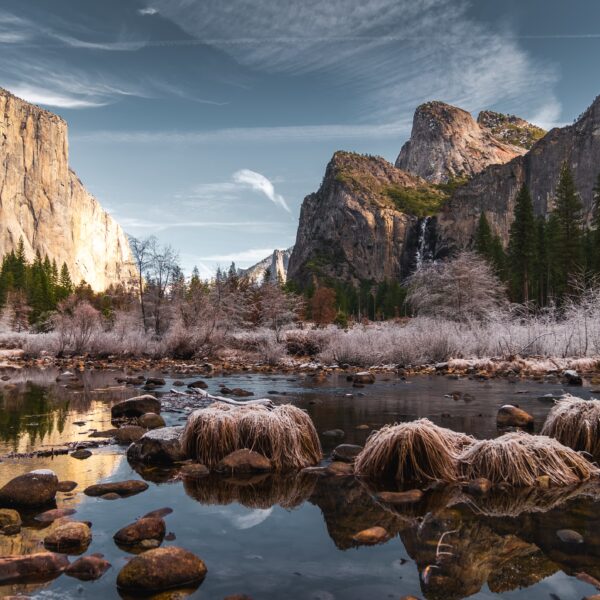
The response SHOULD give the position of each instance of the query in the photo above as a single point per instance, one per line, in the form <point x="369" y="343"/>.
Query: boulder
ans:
<point x="572" y="377"/>
<point x="151" y="421"/>
<point x="158" y="446"/>
<point x="363" y="377"/>
<point x="157" y="381"/>
<point x="512" y="416"/>
<point x="35" y="488"/>
<point x="88" y="568"/>
<point x="121" y="488"/>
<point x="244" y="461"/>
<point x="128" y="434"/>
<point x="408" y="497"/>
<point x="346" y="452"/>
<point x="41" y="566"/>
<point x="81" y="454"/>
<point x="66" y="486"/>
<point x="135" y="407"/>
<point x="372" y="536"/>
<point x="73" y="538"/>
<point x="146" y="528"/>
<point x="161" y="569"/>
<point x="194" y="471"/>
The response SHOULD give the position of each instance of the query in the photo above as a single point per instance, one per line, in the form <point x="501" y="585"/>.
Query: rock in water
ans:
<point x="372" y="536"/>
<point x="572" y="377"/>
<point x="346" y="452"/>
<point x="569" y="536"/>
<point x="146" y="528"/>
<point x="53" y="515"/>
<point x="72" y="538"/>
<point x="161" y="569"/>
<point x="44" y="203"/>
<point x="35" y="488"/>
<point x="10" y="521"/>
<point x="135" y="407"/>
<point x="512" y="416"/>
<point x="158" y="446"/>
<point x="88" y="568"/>
<point x="151" y="421"/>
<point x="364" y="377"/>
<point x="38" y="567"/>
<point x="408" y="497"/>
<point x="122" y="488"/>
<point x="244" y="461"/>
<point x="129" y="434"/>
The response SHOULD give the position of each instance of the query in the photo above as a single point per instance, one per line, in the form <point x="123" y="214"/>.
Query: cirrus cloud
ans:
<point x="260" y="183"/>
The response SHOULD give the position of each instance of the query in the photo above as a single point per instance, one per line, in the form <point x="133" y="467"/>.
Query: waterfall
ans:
<point x="424" y="249"/>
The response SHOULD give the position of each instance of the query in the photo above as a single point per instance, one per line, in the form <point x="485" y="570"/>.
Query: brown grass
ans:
<point x="519" y="458"/>
<point x="575" y="423"/>
<point x="414" y="451"/>
<point x="285" y="435"/>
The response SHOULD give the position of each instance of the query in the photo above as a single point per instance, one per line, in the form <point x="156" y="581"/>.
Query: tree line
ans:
<point x="548" y="258"/>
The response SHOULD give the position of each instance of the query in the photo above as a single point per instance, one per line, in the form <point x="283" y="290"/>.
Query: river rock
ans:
<point x="80" y="454"/>
<point x="158" y="446"/>
<point x="66" y="486"/>
<point x="35" y="488"/>
<point x="88" y="568"/>
<point x="151" y="421"/>
<point x="135" y="407"/>
<point x="346" y="452"/>
<point x="129" y="434"/>
<point x="244" y="461"/>
<point x="146" y="528"/>
<point x="479" y="486"/>
<point x="157" y="381"/>
<point x="569" y="536"/>
<point x="372" y="536"/>
<point x="363" y="377"/>
<point x="73" y="538"/>
<point x="10" y="521"/>
<point x="50" y="516"/>
<point x="572" y="377"/>
<point x="199" y="384"/>
<point x="41" y="566"/>
<point x="122" y="488"/>
<point x="334" y="433"/>
<point x="512" y="416"/>
<point x="240" y="393"/>
<point x="408" y="497"/>
<point x="161" y="569"/>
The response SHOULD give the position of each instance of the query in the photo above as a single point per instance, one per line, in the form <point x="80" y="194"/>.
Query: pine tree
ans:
<point x="540" y="267"/>
<point x="568" y="212"/>
<point x="522" y="247"/>
<point x="489" y="246"/>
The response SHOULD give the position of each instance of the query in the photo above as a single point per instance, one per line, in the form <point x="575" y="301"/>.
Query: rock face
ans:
<point x="44" y="202"/>
<point x="510" y="129"/>
<point x="276" y="264"/>
<point x="494" y="190"/>
<point x="352" y="229"/>
<point x="447" y="143"/>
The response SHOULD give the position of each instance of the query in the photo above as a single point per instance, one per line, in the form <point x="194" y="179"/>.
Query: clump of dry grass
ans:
<point x="575" y="422"/>
<point x="414" y="451"/>
<point x="518" y="459"/>
<point x="285" y="435"/>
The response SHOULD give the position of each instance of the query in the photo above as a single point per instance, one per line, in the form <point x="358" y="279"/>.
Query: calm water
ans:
<point x="274" y="537"/>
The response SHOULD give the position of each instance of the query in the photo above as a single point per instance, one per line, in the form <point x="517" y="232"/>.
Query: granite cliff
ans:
<point x="276" y="264"/>
<point x="43" y="201"/>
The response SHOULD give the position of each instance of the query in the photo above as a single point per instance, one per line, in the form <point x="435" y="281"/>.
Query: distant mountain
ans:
<point x="276" y="264"/>
<point x="43" y="201"/>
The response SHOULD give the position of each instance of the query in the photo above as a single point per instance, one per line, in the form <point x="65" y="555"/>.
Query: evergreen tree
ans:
<point x="489" y="246"/>
<point x="522" y="247"/>
<point x="568" y="214"/>
<point x="540" y="267"/>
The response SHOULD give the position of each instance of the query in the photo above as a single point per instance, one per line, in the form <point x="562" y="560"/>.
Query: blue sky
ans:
<point x="206" y="122"/>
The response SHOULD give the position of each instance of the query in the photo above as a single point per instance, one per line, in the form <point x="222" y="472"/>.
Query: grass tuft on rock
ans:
<point x="518" y="459"/>
<point x="414" y="451"/>
<point x="575" y="423"/>
<point x="285" y="435"/>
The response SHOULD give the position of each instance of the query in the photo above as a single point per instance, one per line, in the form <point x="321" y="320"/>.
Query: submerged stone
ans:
<point x="88" y="568"/>
<point x="41" y="566"/>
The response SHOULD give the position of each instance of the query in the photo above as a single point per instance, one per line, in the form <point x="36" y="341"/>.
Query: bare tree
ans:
<point x="76" y="322"/>
<point x="142" y="256"/>
<point x="277" y="308"/>
<point x="160" y="271"/>
<point x="459" y="289"/>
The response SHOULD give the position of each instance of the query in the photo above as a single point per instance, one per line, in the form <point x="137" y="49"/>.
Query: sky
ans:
<point x="206" y="122"/>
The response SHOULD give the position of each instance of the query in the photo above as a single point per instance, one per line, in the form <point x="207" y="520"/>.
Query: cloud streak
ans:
<point x="260" y="183"/>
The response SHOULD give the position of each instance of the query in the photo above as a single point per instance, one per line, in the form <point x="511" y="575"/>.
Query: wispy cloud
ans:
<point x="260" y="183"/>
<point x="253" y="255"/>
<point x="148" y="11"/>
<point x="303" y="133"/>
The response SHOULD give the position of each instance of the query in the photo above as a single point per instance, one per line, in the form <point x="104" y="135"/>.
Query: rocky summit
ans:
<point x="43" y="202"/>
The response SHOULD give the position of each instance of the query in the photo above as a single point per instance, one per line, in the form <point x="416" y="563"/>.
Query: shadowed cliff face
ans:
<point x="494" y="190"/>
<point x="446" y="143"/>
<point x="351" y="229"/>
<point x="44" y="202"/>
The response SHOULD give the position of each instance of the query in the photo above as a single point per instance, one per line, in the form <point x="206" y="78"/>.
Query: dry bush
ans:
<point x="414" y="451"/>
<point x="575" y="423"/>
<point x="285" y="435"/>
<point x="518" y="459"/>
